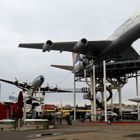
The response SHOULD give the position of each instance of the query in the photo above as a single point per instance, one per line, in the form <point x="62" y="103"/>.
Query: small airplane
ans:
<point x="117" y="46"/>
<point x="31" y="89"/>
<point x="137" y="99"/>
<point x="34" y="86"/>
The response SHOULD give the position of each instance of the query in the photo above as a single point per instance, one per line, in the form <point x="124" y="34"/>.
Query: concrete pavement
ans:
<point x="79" y="131"/>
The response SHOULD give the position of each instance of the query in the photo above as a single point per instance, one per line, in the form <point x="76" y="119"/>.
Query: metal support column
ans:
<point x="137" y="93"/>
<point x="92" y="101"/>
<point x="112" y="102"/>
<point x="24" y="108"/>
<point x="85" y="76"/>
<point x="94" y="93"/>
<point x="120" y="100"/>
<point x="74" y="98"/>
<point x="104" y="82"/>
<point x="39" y="98"/>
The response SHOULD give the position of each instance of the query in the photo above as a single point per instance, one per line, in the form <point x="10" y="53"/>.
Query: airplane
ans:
<point x="137" y="99"/>
<point x="34" y="86"/>
<point x="31" y="89"/>
<point x="117" y="46"/>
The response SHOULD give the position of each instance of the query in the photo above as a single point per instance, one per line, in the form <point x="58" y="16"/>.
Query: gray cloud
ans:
<point x="63" y="20"/>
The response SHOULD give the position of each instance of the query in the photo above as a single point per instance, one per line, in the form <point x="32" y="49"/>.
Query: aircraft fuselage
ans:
<point x="37" y="82"/>
<point x="123" y="37"/>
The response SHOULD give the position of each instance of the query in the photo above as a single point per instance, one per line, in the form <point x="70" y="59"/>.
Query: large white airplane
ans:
<point x="118" y="45"/>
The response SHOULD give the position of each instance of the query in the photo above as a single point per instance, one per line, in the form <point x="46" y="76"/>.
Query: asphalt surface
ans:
<point x="78" y="131"/>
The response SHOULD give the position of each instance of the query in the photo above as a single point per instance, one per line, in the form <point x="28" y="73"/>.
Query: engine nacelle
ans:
<point x="47" y="46"/>
<point x="82" y="43"/>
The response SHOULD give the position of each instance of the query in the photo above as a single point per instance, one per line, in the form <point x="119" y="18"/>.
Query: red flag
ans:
<point x="20" y="100"/>
<point x="19" y="113"/>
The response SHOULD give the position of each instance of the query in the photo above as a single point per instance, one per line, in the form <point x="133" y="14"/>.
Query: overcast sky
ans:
<point x="57" y="20"/>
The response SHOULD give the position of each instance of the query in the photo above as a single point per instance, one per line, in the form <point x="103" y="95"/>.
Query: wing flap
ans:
<point x="31" y="45"/>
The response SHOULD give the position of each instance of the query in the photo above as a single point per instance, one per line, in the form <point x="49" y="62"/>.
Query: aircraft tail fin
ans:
<point x="65" y="67"/>
<point x="75" y="57"/>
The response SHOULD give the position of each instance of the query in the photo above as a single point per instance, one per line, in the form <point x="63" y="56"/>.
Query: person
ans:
<point x="109" y="123"/>
<point x="82" y="119"/>
<point x="69" y="119"/>
<point x="58" y="117"/>
<point x="110" y="119"/>
<point x="117" y="118"/>
<point x="88" y="116"/>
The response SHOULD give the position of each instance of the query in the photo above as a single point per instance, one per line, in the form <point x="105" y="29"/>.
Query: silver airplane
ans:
<point x="34" y="86"/>
<point x="31" y="89"/>
<point x="118" y="45"/>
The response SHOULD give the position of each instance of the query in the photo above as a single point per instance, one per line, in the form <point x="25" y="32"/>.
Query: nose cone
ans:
<point x="41" y="79"/>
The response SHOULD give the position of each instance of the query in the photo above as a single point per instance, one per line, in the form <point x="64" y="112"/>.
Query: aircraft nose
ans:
<point x="42" y="79"/>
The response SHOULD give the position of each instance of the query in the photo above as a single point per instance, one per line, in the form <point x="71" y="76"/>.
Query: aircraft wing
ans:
<point x="55" y="89"/>
<point x="58" y="90"/>
<point x="65" y="67"/>
<point x="24" y="86"/>
<point x="137" y="99"/>
<point x="83" y="46"/>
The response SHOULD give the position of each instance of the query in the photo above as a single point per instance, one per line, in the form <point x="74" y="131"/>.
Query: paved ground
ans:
<point x="79" y="131"/>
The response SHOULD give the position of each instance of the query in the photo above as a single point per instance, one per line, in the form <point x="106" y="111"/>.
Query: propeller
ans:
<point x="16" y="81"/>
<point x="24" y="85"/>
<point x="43" y="93"/>
<point x="55" y="88"/>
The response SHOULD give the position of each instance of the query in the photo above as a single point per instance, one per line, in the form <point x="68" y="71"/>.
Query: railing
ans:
<point x="117" y="65"/>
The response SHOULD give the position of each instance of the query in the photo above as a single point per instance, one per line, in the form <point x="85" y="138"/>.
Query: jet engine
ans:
<point x="80" y="44"/>
<point x="47" y="46"/>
